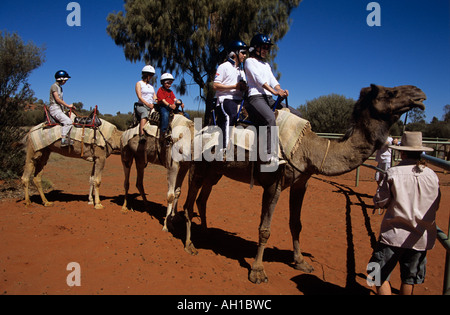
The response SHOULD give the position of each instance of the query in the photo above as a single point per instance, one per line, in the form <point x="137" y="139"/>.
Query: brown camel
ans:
<point x="36" y="161"/>
<point x="154" y="152"/>
<point x="377" y="109"/>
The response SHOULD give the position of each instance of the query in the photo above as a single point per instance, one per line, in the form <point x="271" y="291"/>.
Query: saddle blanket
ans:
<point x="42" y="137"/>
<point x="152" y="130"/>
<point x="291" y="129"/>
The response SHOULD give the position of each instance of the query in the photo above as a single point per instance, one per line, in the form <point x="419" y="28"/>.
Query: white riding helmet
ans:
<point x="167" y="76"/>
<point x="148" y="69"/>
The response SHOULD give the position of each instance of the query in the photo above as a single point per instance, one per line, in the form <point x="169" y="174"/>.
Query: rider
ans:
<point x="57" y="104"/>
<point x="167" y="103"/>
<point x="262" y="85"/>
<point x="230" y="84"/>
<point x="146" y="98"/>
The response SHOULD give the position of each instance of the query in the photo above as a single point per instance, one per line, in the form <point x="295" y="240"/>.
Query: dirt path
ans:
<point x="130" y="254"/>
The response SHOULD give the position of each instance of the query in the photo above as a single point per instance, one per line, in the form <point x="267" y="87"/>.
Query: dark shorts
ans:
<point x="412" y="263"/>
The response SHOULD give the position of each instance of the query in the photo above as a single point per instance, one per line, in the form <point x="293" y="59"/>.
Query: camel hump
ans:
<point x="291" y="131"/>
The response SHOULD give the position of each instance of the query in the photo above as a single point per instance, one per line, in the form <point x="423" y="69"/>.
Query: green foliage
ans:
<point x="17" y="61"/>
<point x="330" y="113"/>
<point x="190" y="36"/>
<point x="121" y="121"/>
<point x="447" y="113"/>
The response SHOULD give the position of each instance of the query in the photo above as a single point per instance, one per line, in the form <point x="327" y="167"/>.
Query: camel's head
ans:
<point x="389" y="104"/>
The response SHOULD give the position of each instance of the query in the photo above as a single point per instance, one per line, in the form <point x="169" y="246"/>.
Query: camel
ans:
<point x="154" y="152"/>
<point x="36" y="161"/>
<point x="377" y="109"/>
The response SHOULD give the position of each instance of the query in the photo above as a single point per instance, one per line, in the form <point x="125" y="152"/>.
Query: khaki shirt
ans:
<point x="411" y="198"/>
<point x="58" y="89"/>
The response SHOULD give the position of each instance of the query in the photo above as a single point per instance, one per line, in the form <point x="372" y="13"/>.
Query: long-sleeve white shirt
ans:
<point x="412" y="198"/>
<point x="258" y="73"/>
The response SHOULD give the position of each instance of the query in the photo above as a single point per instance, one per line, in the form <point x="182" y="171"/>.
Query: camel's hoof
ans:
<point x="124" y="210"/>
<point x="48" y="204"/>
<point x="99" y="207"/>
<point x="165" y="229"/>
<point x="90" y="202"/>
<point x="304" y="266"/>
<point x="190" y="249"/>
<point x="258" y="276"/>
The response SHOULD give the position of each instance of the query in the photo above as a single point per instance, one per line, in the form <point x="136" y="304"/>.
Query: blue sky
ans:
<point x="329" y="49"/>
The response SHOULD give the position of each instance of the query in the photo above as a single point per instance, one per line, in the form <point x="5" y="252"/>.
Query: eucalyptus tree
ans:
<point x="189" y="37"/>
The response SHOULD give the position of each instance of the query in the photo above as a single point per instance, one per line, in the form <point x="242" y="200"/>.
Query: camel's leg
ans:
<point x="201" y="204"/>
<point x="270" y="198"/>
<point x="175" y="176"/>
<point x="40" y="162"/>
<point x="97" y="169"/>
<point x="127" y="162"/>
<point x="27" y="171"/>
<point x="172" y="174"/>
<point x="297" y="194"/>
<point x="91" y="189"/>
<point x="210" y="180"/>
<point x="140" y="167"/>
<point x="195" y="183"/>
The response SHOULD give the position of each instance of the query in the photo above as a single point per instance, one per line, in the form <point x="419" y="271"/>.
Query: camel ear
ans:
<point x="375" y="89"/>
<point x="372" y="90"/>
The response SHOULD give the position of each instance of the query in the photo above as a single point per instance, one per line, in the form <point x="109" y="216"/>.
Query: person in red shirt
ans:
<point x="168" y="103"/>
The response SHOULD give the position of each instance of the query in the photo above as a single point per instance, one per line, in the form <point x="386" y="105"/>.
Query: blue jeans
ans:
<point x="165" y="115"/>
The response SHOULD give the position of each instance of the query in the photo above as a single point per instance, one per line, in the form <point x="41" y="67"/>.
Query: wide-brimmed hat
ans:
<point x="411" y="141"/>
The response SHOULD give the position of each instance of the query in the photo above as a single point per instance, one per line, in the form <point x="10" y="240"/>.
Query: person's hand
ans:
<point x="282" y="93"/>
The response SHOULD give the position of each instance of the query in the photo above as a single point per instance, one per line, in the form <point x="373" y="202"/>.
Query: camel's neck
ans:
<point x="342" y="156"/>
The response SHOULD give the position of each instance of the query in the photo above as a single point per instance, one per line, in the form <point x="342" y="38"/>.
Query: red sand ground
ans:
<point x="130" y="254"/>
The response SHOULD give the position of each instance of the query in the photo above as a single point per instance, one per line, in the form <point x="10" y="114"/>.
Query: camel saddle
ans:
<point x="291" y="131"/>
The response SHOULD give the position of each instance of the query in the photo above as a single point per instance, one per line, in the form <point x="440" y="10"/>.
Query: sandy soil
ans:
<point x="130" y="254"/>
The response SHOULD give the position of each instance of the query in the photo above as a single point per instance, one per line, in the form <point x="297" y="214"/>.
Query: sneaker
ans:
<point x="65" y="142"/>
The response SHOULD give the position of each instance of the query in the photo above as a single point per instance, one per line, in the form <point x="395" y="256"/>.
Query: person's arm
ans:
<point x="60" y="101"/>
<point x="383" y="195"/>
<point x="277" y="90"/>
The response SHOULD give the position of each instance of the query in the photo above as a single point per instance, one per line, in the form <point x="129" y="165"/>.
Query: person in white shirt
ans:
<point x="146" y="98"/>
<point x="384" y="157"/>
<point x="230" y="85"/>
<point x="262" y="86"/>
<point x="411" y="195"/>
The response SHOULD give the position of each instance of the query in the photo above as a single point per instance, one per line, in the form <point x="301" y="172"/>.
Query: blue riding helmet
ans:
<point x="62" y="75"/>
<point x="237" y="45"/>
<point x="260" y="39"/>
